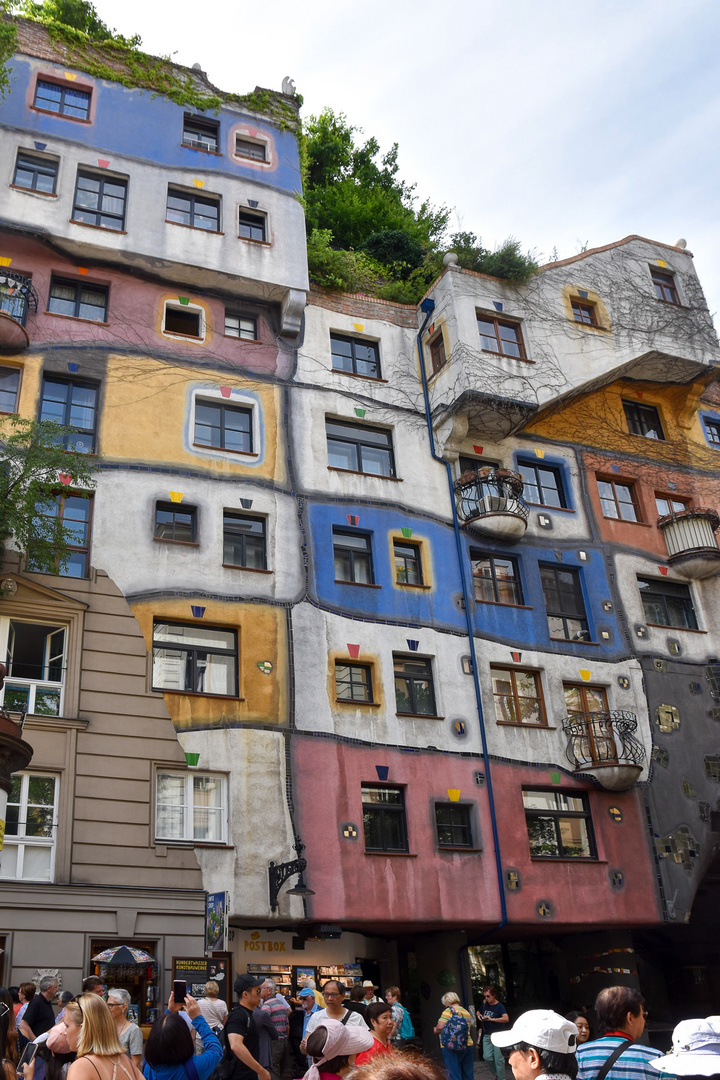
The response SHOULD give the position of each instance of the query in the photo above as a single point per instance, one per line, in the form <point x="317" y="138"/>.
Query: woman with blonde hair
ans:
<point x="92" y="1034"/>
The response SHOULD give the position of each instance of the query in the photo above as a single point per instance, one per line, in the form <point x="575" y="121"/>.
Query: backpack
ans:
<point x="454" y="1036"/>
<point x="407" y="1031"/>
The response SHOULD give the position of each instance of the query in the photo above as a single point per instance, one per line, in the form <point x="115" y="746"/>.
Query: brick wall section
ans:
<point x="363" y="306"/>
<point x="34" y="40"/>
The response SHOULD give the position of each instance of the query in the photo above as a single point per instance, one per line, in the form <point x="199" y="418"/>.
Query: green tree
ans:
<point x="78" y="14"/>
<point x="507" y="261"/>
<point x="34" y="468"/>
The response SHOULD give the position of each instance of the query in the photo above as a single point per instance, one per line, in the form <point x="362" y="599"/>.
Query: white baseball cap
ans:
<point x="542" y="1028"/>
<point x="695" y="1049"/>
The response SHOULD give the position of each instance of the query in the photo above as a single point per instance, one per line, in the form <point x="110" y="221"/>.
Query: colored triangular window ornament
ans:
<point x="199" y="183"/>
<point x="226" y="391"/>
<point x="555" y="777"/>
<point x="246" y="504"/>
<point x="585" y="675"/>
<point x="176" y="496"/>
<point x="71" y="76"/>
<point x="73" y="367"/>
<point x="478" y="449"/>
<point x="198" y="611"/>
<point x="191" y="760"/>
<point x="359" y="412"/>
<point x="40" y="145"/>
<point x="497" y="304"/>
<point x="103" y="163"/>
<point x="359" y="327"/>
<point x="185" y="300"/>
<point x="83" y="270"/>
<point x="453" y="794"/>
<point x="407" y="533"/>
<point x="352" y="519"/>
<point x="413" y="646"/>
<point x="583" y="294"/>
<point x="353" y="651"/>
<point x="382" y="771"/>
<point x="65" y="478"/>
<point x="517" y="656"/>
<point x="4" y="260"/>
<point x="539" y="453"/>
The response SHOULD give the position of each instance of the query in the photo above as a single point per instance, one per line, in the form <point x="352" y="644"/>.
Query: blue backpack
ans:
<point x="407" y="1031"/>
<point x="454" y="1036"/>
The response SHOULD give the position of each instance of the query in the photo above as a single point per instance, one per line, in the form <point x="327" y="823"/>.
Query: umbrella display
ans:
<point x="124" y="954"/>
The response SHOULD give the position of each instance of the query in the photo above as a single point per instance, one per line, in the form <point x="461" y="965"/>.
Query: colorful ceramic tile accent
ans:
<point x="497" y="304"/>
<point x="478" y="449"/>
<point x="615" y="814"/>
<point x="353" y="651"/>
<point x="661" y="756"/>
<point x="585" y="674"/>
<point x="265" y="666"/>
<point x="555" y="778"/>
<point x="667" y="718"/>
<point x="480" y="779"/>
<point x="704" y="809"/>
<point x="663" y="570"/>
<point x="407" y="533"/>
<point x="359" y="412"/>
<point x="73" y="367"/>
<point x="459" y="727"/>
<point x="198" y="611"/>
<point x="246" y="504"/>
<point x="103" y="163"/>
<point x="661" y="262"/>
<point x="359" y="327"/>
<point x="40" y="145"/>
<point x="413" y="646"/>
<point x="349" y="830"/>
<point x="688" y="790"/>
<point x="623" y="682"/>
<point x="226" y="391"/>
<point x="517" y="657"/>
<point x="65" y="478"/>
<point x="353" y="519"/>
<point x="198" y="183"/>
<point x="176" y="496"/>
<point x="83" y="270"/>
<point x="712" y="766"/>
<point x="453" y="794"/>
<point x="4" y="260"/>
<point x="512" y="880"/>
<point x="582" y="293"/>
<point x="659" y="664"/>
<point x="184" y="300"/>
<point x="539" y="453"/>
<point x="582" y="556"/>
<point x="680" y="847"/>
<point x="617" y="879"/>
<point x="191" y="760"/>
<point x="382" y="771"/>
<point x="544" y="909"/>
<point x="71" y="76"/>
<point x="253" y="203"/>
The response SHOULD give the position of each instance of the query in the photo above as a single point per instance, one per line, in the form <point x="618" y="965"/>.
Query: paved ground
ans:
<point x="483" y="1071"/>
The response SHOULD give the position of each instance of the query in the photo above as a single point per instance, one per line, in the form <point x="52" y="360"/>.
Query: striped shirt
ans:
<point x="278" y="1014"/>
<point x="631" y="1065"/>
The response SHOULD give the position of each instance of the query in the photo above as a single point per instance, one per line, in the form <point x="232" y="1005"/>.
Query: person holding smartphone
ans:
<point x="169" y="1050"/>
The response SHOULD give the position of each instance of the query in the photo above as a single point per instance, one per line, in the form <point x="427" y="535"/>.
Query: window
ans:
<point x="9" y="386"/>
<point x="496" y="579"/>
<point x="643" y="420"/>
<point x="712" y="428"/>
<point x="250" y="148"/>
<point x="501" y="337"/>
<point x="352" y="552"/>
<point x="30" y="828"/>
<point x="200" y="134"/>
<point x="408" y="563"/>
<point x="35" y="669"/>
<point x="384" y="818"/>
<point x="359" y="449"/>
<point x="414" y="690"/>
<point x="74" y="511"/>
<point x="666" y="504"/>
<point x="353" y="682"/>
<point x="437" y="352"/>
<point x="35" y="173"/>
<point x="564" y="603"/>
<point x="195" y="659"/>
<point x="186" y="208"/>
<point x="252" y="226"/>
<point x="74" y="405"/>
<point x="244" y="541"/>
<point x="558" y="825"/>
<point x="64" y="100"/>
<point x="452" y="822"/>
<point x="223" y="427"/>
<point x="175" y="522"/>
<point x="588" y="707"/>
<point x="191" y="806"/>
<point x="241" y="326"/>
<point x="584" y="313"/>
<point x="100" y="201"/>
<point x="518" y="697"/>
<point x="78" y="300"/>
<point x="667" y="603"/>
<point x="474" y="464"/>
<point x="664" y="286"/>
<point x="543" y="484"/>
<point x="183" y="321"/>
<point x="618" y="500"/>
<point x="355" y="357"/>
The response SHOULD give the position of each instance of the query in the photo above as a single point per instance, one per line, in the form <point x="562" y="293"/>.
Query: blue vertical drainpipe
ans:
<point x="427" y="307"/>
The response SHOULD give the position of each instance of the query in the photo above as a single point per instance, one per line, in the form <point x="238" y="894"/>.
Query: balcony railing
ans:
<point x="17" y="296"/>
<point x="603" y="744"/>
<point x="691" y="542"/>
<point x="491" y="501"/>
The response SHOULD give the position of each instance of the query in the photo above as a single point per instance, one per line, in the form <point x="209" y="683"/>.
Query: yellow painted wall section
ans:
<point x="261" y="639"/>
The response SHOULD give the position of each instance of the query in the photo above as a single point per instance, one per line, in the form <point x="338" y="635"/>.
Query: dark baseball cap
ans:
<point x="244" y="982"/>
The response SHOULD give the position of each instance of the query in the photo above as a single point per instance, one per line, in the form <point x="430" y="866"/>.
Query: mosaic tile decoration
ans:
<point x="349" y="830"/>
<point x="667" y="718"/>
<point x="660" y="665"/>
<point x="617" y="879"/>
<point x="545" y="909"/>
<point x="615" y="814"/>
<point x="661" y="756"/>
<point x="674" y="646"/>
<point x="641" y="631"/>
<point x="679" y="847"/>
<point x="513" y="880"/>
<point x="688" y="790"/>
<point x="623" y="682"/>
<point x="712" y="674"/>
<point x="704" y="809"/>
<point x="695" y="688"/>
<point x="712" y="766"/>
<point x="714" y="714"/>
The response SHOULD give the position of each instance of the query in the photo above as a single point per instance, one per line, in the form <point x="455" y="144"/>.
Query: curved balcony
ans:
<point x="604" y="746"/>
<point x="17" y="296"/>
<point x="691" y="542"/>
<point x="490" y="500"/>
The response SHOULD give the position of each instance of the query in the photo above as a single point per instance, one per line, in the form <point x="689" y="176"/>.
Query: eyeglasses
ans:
<point x="330" y="995"/>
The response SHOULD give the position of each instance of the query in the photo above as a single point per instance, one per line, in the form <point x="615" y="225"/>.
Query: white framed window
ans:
<point x="252" y="147"/>
<point x="191" y="806"/>
<point x="185" y="321"/>
<point x="226" y="423"/>
<point x="36" y="665"/>
<point x="30" y="828"/>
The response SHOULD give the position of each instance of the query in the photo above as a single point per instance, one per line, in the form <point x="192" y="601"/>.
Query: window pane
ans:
<point x="574" y="837"/>
<point x="342" y="455"/>
<point x="171" y="789"/>
<point x="542" y="836"/>
<point x="372" y="825"/>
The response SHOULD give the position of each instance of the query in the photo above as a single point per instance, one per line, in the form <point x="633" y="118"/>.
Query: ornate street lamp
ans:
<point x="278" y="874"/>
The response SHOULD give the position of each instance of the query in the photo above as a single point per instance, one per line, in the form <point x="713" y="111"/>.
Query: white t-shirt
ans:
<point x="214" y="1010"/>
<point x="353" y="1020"/>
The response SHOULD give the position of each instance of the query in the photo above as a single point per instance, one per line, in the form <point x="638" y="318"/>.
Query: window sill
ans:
<point x="552" y="509"/>
<point x="570" y="641"/>
<point x="249" y="569"/>
<point x="59" y="115"/>
<point x="355" y="704"/>
<point x="201" y="150"/>
<point x="499" y="603"/>
<point x="247" y="340"/>
<point x="260" y="243"/>
<point x="636" y="435"/>
<point x="195" y="228"/>
<point x="507" y="356"/>
<point x="102" y="228"/>
<point x="451" y="847"/>
<point x="531" y="727"/>
<point x="568" y="859"/>
<point x="180" y="543"/>
<point x="410" y="585"/>
<point x="196" y="693"/>
<point x="356" y="472"/>
<point x="34" y="191"/>
<point x="625" y="521"/>
<point x="358" y="584"/>
<point x="685" y="629"/>
<point x="589" y="326"/>
<point x="357" y="375"/>
<point x="393" y="854"/>
<point x="418" y="716"/>
<point x="225" y="450"/>
<point x="175" y="335"/>
<point x="76" y="318"/>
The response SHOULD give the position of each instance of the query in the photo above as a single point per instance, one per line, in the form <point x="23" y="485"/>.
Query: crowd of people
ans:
<point x="327" y="1034"/>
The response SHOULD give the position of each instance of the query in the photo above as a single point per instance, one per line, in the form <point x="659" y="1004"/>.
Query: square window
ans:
<point x="667" y="603"/>
<point x="30" y="828"/>
<point x="35" y="173"/>
<point x="78" y="300"/>
<point x="9" y="387"/>
<point x="35" y="669"/>
<point x="496" y="578"/>
<point x="453" y="825"/>
<point x="195" y="659"/>
<point x="353" y="682"/>
<point x="384" y="819"/>
<point x="74" y="405"/>
<point x="356" y="448"/>
<point x="63" y="100"/>
<point x="564" y="603"/>
<point x="437" y="352"/>
<point x="712" y="429"/>
<point x="200" y="134"/>
<point x="618" y="500"/>
<point x="518" y="697"/>
<point x="223" y="427"/>
<point x="100" y="200"/>
<point x="252" y="226"/>
<point x="643" y="420"/>
<point x="254" y="149"/>
<point x="175" y="522"/>
<point x="543" y="484"/>
<point x="584" y="313"/>
<point x="183" y="321"/>
<point x="191" y="806"/>
<point x="244" y="541"/>
<point x="75" y="513"/>
<point x="664" y="285"/>
<point x="414" y="687"/>
<point x="667" y="504"/>
<point x="558" y="825"/>
<point x="17" y="295"/>
<point x="474" y="464"/>
<point x="408" y="563"/>
<point x="355" y="357"/>
<point x="198" y="211"/>
<point x="504" y="338"/>
<point x="240" y="326"/>
<point x="352" y="552"/>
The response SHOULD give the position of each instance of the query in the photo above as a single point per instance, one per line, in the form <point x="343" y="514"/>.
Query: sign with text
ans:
<point x="198" y="970"/>
<point x="216" y="922"/>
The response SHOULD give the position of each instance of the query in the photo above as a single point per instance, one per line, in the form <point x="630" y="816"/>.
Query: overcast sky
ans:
<point x="558" y="124"/>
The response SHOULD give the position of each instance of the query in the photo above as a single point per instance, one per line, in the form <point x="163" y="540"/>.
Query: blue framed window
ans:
<point x="543" y="484"/>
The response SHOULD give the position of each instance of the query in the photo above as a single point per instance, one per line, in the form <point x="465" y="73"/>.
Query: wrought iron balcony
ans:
<point x="603" y="744"/>
<point x="691" y="542"/>
<point x="491" y="501"/>
<point x="17" y="295"/>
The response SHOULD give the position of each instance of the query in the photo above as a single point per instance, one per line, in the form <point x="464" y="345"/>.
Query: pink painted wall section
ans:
<point x="135" y="312"/>
<point x="434" y="887"/>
